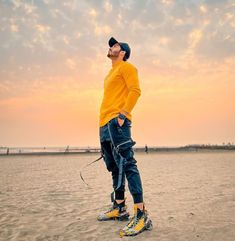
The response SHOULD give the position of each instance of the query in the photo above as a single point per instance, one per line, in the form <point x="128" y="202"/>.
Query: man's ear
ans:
<point x="123" y="53"/>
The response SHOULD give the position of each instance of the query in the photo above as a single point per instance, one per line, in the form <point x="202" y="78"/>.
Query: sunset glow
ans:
<point x="53" y="63"/>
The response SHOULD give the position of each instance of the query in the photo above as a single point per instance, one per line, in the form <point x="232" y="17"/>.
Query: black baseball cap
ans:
<point x="124" y="46"/>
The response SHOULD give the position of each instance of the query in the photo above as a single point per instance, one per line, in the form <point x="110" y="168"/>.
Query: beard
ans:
<point x="113" y="54"/>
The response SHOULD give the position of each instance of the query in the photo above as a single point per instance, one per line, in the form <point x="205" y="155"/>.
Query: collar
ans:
<point x="117" y="63"/>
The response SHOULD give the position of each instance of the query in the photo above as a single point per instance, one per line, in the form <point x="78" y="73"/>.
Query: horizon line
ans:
<point x="137" y="146"/>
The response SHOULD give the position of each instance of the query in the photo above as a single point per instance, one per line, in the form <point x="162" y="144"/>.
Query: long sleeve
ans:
<point x="130" y="75"/>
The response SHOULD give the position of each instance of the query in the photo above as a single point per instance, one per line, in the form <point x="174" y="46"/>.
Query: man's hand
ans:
<point x="120" y="121"/>
<point x="121" y="118"/>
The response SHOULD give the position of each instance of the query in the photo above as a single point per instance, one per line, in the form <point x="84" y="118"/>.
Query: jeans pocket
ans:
<point x="125" y="130"/>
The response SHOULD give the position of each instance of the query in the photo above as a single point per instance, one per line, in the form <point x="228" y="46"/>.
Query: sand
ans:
<point x="189" y="196"/>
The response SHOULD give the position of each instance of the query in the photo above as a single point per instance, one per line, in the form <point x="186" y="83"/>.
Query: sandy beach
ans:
<point x="190" y="196"/>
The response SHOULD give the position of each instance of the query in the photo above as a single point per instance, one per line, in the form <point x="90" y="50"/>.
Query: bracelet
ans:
<point x="121" y="116"/>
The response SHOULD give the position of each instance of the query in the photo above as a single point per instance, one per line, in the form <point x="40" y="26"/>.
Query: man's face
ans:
<point x="114" y="51"/>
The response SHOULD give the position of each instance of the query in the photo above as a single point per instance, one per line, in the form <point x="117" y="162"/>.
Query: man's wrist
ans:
<point x="121" y="116"/>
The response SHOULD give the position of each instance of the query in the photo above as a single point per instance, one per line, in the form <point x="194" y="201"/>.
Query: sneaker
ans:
<point x="137" y="224"/>
<point x="116" y="212"/>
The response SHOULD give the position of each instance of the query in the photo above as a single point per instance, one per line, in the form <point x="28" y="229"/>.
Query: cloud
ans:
<point x="101" y="30"/>
<point x="167" y="2"/>
<point x="57" y="13"/>
<point x="203" y="9"/>
<point x="66" y="40"/>
<point x="93" y="13"/>
<point x="42" y="36"/>
<point x="71" y="63"/>
<point x="128" y="4"/>
<point x="14" y="28"/>
<point x="194" y="38"/>
<point x="159" y="33"/>
<point x="42" y="28"/>
<point x="164" y="40"/>
<point x="108" y="7"/>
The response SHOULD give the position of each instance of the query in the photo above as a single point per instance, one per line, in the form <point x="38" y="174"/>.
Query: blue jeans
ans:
<point x="116" y="146"/>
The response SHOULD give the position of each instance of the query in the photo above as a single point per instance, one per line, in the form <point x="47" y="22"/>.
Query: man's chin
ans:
<point x="110" y="56"/>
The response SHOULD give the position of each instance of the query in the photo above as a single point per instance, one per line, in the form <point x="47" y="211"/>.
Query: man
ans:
<point x="121" y="92"/>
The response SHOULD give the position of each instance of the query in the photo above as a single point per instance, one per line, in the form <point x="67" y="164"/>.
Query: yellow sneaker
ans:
<point x="116" y="212"/>
<point x="138" y="223"/>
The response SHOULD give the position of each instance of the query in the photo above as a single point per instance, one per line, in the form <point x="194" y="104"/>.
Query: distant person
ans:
<point x="146" y="149"/>
<point x="121" y="92"/>
<point x="67" y="149"/>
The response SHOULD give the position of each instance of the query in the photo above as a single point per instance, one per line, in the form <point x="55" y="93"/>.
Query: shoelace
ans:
<point x="131" y="220"/>
<point x="136" y="220"/>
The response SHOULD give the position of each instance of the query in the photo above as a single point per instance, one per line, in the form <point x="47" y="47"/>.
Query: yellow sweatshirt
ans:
<point x="121" y="91"/>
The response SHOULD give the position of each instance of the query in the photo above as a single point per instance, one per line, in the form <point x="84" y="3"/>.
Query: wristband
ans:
<point x="121" y="116"/>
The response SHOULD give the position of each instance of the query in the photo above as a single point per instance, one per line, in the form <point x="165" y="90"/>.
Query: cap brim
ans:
<point x="112" y="41"/>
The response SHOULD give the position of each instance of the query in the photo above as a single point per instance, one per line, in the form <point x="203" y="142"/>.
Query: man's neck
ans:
<point x="114" y="61"/>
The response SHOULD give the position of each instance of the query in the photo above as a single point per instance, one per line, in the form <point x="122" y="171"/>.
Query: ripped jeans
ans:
<point x="116" y="146"/>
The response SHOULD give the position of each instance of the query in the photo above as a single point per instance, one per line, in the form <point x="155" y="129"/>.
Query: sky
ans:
<point x="53" y="61"/>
